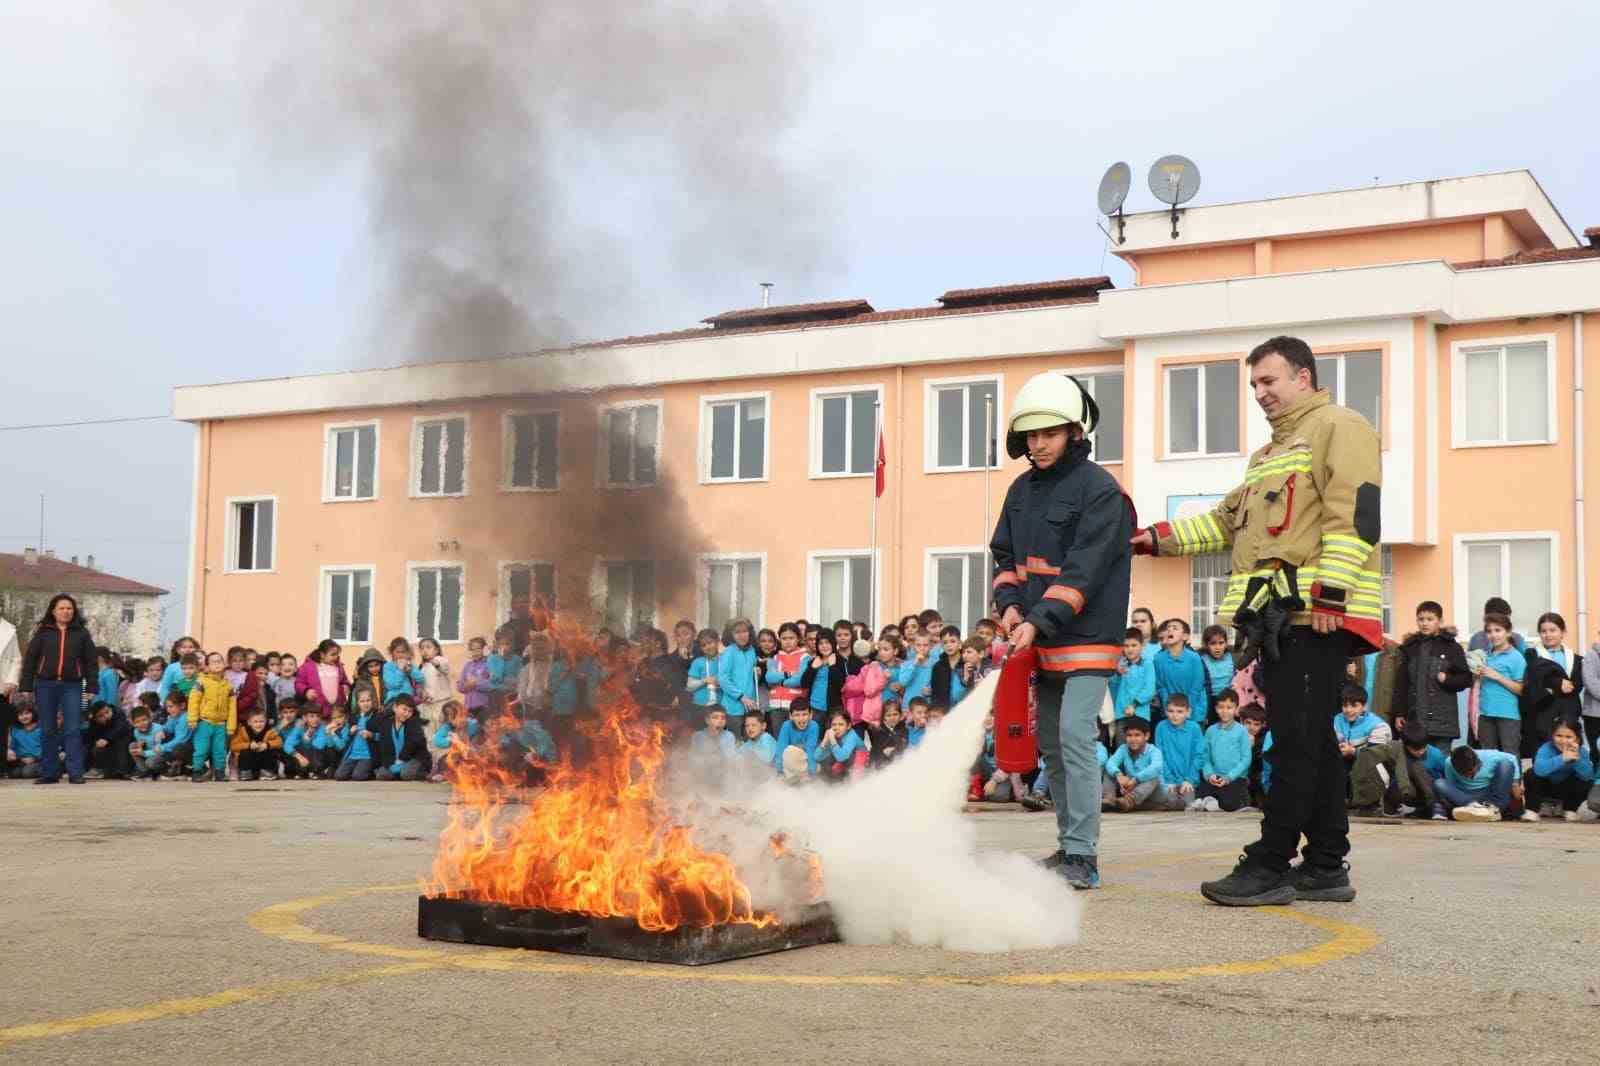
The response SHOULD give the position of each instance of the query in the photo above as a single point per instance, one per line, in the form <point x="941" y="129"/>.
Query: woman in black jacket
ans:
<point x="59" y="661"/>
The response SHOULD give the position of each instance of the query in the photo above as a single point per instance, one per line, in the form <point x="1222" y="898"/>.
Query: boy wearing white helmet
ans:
<point x="1062" y="565"/>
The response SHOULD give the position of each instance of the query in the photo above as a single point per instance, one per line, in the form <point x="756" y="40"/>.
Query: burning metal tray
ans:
<point x="465" y="921"/>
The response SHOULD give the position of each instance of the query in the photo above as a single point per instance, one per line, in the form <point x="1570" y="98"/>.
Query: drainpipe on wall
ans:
<point x="1581" y="546"/>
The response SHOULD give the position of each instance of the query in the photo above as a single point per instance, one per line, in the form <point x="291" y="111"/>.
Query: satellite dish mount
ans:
<point x="1174" y="180"/>
<point x="1113" y="190"/>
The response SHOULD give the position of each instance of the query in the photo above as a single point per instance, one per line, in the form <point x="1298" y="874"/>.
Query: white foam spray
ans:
<point x="900" y="862"/>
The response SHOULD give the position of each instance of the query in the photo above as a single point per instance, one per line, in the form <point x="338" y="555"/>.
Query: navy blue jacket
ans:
<point x="1062" y="558"/>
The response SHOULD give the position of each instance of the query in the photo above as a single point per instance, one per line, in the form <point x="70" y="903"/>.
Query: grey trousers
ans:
<point x="1069" y="720"/>
<point x="1500" y="734"/>
<point x="411" y="771"/>
<point x="1147" y="795"/>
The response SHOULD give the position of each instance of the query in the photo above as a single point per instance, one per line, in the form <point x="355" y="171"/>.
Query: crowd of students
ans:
<point x="1181" y="730"/>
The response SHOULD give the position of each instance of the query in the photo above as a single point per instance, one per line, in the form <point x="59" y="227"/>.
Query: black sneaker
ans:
<point x="1082" y="872"/>
<point x="1250" y="885"/>
<point x="1322" y="884"/>
<point x="1032" y="801"/>
<point x="200" y="777"/>
<point x="1052" y="861"/>
<point x="75" y="780"/>
<point x="56" y="780"/>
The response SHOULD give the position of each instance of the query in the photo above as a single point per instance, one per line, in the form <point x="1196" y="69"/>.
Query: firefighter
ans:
<point x="1062" y="561"/>
<point x="1305" y="596"/>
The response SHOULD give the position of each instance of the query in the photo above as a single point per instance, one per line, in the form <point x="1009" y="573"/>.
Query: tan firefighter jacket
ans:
<point x="1308" y="505"/>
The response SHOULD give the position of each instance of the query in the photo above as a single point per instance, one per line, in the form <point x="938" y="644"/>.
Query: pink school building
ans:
<point x="729" y="469"/>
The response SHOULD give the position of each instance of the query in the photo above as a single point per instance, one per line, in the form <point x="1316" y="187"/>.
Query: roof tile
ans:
<point x="58" y="575"/>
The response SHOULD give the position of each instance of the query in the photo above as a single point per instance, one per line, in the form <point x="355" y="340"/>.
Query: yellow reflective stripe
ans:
<point x="1344" y="539"/>
<point x="1344" y="573"/>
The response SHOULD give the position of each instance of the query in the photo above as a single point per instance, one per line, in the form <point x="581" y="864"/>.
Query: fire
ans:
<point x="597" y="840"/>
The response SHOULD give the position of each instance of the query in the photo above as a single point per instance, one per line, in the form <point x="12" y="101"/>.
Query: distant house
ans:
<point x="122" y="614"/>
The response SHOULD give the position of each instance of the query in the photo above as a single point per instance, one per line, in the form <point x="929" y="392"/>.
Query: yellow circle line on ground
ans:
<point x="282" y="921"/>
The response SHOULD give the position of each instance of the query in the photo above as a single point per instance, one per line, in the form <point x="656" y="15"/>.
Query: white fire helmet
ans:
<point x="1049" y="400"/>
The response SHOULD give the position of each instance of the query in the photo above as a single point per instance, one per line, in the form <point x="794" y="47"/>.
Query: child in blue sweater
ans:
<point x="505" y="666"/>
<point x="1133" y="690"/>
<point x="146" y="740"/>
<point x="758" y="747"/>
<point x="916" y="721"/>
<point x="841" y="751"/>
<point x="1480" y="786"/>
<point x="1179" y="669"/>
<point x="399" y="676"/>
<point x="1254" y="717"/>
<point x="361" y="749"/>
<point x="736" y="676"/>
<point x="714" y="739"/>
<point x="916" y="673"/>
<point x="798" y="732"/>
<point x="24" y="745"/>
<point x="1217" y="660"/>
<point x="1181" y="743"/>
<point x="1225" y="760"/>
<point x="108" y="681"/>
<point x="1131" y="780"/>
<point x="702" y="684"/>
<point x="457" y="724"/>
<point x="304" y="746"/>
<point x="1562" y="774"/>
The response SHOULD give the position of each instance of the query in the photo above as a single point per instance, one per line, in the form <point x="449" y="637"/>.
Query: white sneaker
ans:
<point x="1212" y="805"/>
<point x="1528" y="816"/>
<point x="1570" y="816"/>
<point x="1437" y="817"/>
<point x="1196" y="805"/>
<point x="1587" y="813"/>
<point x="1406" y="810"/>
<point x="1477" y="812"/>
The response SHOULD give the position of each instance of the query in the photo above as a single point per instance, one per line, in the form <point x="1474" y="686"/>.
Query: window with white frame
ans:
<point x="1506" y="394"/>
<point x="959" y="587"/>
<point x="1520" y="570"/>
<point x="127" y="612"/>
<point x="533" y="584"/>
<point x="841" y="587"/>
<point x="530" y="450"/>
<point x="1355" y="380"/>
<point x="1208" y="587"/>
<point x="1106" y="388"/>
<point x="436" y="601"/>
<point x="439" y="457"/>
<point x="844" y="428"/>
<point x="730" y="588"/>
<point x="734" y="444"/>
<point x="351" y="457"/>
<point x="963" y="424"/>
<point x="630" y="437"/>
<point x="251" y="525"/>
<point x="1203" y="409"/>
<point x="627" y="595"/>
<point x="347" y="604"/>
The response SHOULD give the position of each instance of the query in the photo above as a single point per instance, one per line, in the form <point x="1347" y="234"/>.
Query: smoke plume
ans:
<point x="531" y="171"/>
<point x="899" y="861"/>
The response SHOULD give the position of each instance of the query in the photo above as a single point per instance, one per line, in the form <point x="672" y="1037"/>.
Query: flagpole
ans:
<point x="877" y="450"/>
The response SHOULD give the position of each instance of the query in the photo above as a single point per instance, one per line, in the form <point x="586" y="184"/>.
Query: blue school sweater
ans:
<point x="150" y="738"/>
<point x="28" y="743"/>
<point x="1488" y="760"/>
<point x="1219" y="673"/>
<point x="107" y="684"/>
<point x="915" y="678"/>
<point x="1433" y="762"/>
<point x="702" y="744"/>
<point x="1548" y="764"/>
<point x="359" y="748"/>
<point x="763" y="749"/>
<point x="169" y="677"/>
<point x="1358" y="732"/>
<point x="396" y="681"/>
<point x="1101" y="756"/>
<point x="736" y="678"/>
<point x="1141" y="767"/>
<point x="503" y="671"/>
<point x="176" y="731"/>
<point x="845" y="749"/>
<point x="914" y="735"/>
<point x="806" y="739"/>
<point x="1137" y="687"/>
<point x="299" y="738"/>
<point x="1185" y="674"/>
<point x="1180" y="751"/>
<point x="442" y="735"/>
<point x="699" y="670"/>
<point x="1227" y="751"/>
<point x="1494" y="699"/>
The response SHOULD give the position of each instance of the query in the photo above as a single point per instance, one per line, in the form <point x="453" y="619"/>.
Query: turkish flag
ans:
<point x="882" y="462"/>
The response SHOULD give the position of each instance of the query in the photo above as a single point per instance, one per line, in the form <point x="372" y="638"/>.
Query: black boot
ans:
<point x="1051" y="862"/>
<point x="1322" y="884"/>
<point x="1250" y="885"/>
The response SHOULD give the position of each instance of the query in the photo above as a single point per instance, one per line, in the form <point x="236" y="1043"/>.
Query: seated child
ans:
<point x="887" y="737"/>
<point x="1254" y="717"/>
<point x="1181" y="743"/>
<point x="24" y="744"/>
<point x="145" y="740"/>
<point x="1397" y="776"/>
<point x="305" y="753"/>
<point x="1133" y="687"/>
<point x="1480" y="786"/>
<point x="1356" y="727"/>
<point x="758" y="746"/>
<point x="987" y="781"/>
<point x="402" y="745"/>
<point x="457" y="724"/>
<point x="288" y="717"/>
<point x="714" y="739"/>
<point x="801" y="734"/>
<point x="174" y="751"/>
<point x="1217" y="660"/>
<point x="840" y="751"/>
<point x="1225" y="760"/>
<point x="1562" y="774"/>
<point x="917" y="725"/>
<point x="258" y="747"/>
<point x="335" y="742"/>
<point x="936" y="714"/>
<point x="361" y="750"/>
<point x="1131" y="780"/>
<point x="526" y="746"/>
<point x="106" y="742"/>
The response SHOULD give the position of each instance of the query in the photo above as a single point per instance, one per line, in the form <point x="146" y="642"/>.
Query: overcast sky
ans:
<point x="932" y="146"/>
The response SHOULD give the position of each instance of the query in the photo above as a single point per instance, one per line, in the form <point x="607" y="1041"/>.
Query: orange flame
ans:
<point x="596" y="840"/>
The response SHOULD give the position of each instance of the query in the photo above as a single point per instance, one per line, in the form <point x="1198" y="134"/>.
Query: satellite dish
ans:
<point x="1174" y="180"/>
<point x="1113" y="190"/>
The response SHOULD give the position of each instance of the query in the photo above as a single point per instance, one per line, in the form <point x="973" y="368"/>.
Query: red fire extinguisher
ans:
<point x="1016" y="738"/>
